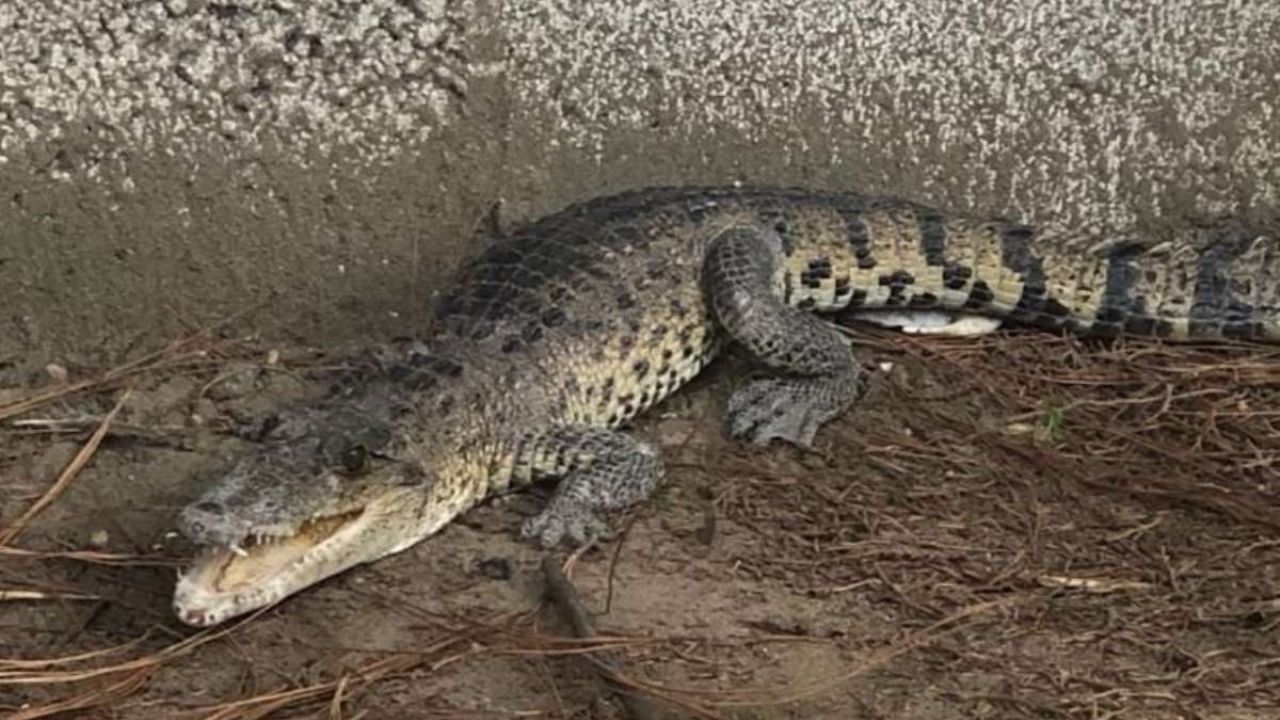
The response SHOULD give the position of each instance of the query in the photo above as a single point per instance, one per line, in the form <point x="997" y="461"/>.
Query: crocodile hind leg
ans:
<point x="816" y="377"/>
<point x="601" y="470"/>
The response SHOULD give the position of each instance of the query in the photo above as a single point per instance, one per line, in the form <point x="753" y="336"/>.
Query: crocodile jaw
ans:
<point x="225" y="582"/>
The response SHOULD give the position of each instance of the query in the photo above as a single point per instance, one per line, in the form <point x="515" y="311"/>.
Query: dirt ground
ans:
<point x="1015" y="526"/>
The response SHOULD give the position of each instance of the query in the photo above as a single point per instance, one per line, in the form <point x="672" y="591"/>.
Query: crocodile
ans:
<point x="558" y="333"/>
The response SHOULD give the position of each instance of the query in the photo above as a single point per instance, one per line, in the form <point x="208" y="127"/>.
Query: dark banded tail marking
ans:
<point x="859" y="238"/>
<point x="860" y="241"/>
<point x="1017" y="256"/>
<point x="933" y="236"/>
<point x="1116" y="304"/>
<point x="1217" y="310"/>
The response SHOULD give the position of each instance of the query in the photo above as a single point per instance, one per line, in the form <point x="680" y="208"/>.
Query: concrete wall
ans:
<point x="319" y="166"/>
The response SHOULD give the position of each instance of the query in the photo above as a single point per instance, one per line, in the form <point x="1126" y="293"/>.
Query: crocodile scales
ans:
<point x="559" y="333"/>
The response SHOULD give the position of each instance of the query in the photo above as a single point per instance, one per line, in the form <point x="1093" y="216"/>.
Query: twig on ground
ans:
<point x="92" y="556"/>
<point x="79" y="461"/>
<point x="1091" y="585"/>
<point x="116" y="688"/>
<point x="264" y="704"/>
<point x="121" y="679"/>
<point x="22" y="594"/>
<point x="173" y="355"/>
<point x="565" y="597"/>
<point x="163" y="436"/>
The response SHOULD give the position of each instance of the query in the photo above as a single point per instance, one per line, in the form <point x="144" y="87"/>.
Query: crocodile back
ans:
<point x="601" y="305"/>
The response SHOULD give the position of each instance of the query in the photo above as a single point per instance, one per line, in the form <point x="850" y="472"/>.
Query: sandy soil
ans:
<point x="985" y="537"/>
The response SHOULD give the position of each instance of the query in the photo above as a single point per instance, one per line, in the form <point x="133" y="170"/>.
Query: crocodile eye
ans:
<point x="354" y="458"/>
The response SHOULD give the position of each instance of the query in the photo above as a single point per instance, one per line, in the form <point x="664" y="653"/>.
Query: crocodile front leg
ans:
<point x="817" y="376"/>
<point x="601" y="470"/>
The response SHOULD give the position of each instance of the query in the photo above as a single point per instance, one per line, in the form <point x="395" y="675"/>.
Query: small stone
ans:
<point x="205" y="410"/>
<point x="57" y="373"/>
<point x="99" y="539"/>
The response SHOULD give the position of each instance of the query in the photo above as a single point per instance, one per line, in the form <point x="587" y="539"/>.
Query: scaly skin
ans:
<point x="555" y="336"/>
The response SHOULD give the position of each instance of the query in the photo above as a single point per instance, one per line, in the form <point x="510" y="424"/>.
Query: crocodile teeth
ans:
<point x="239" y="551"/>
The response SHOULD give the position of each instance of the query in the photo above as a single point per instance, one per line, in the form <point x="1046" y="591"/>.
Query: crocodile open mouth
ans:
<point x="246" y="573"/>
<point x="265" y="555"/>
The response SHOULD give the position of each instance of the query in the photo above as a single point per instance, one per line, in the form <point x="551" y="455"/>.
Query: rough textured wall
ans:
<point x="320" y="165"/>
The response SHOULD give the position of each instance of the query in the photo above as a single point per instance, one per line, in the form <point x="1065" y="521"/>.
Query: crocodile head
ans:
<point x="324" y="490"/>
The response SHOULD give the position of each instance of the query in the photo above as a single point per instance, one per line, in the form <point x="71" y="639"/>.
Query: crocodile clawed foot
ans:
<point x="549" y="527"/>
<point x="782" y="408"/>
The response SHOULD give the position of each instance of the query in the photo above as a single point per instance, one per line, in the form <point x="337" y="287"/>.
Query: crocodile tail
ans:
<point x="856" y="253"/>
<point x="1224" y="286"/>
<point x="1179" y="290"/>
